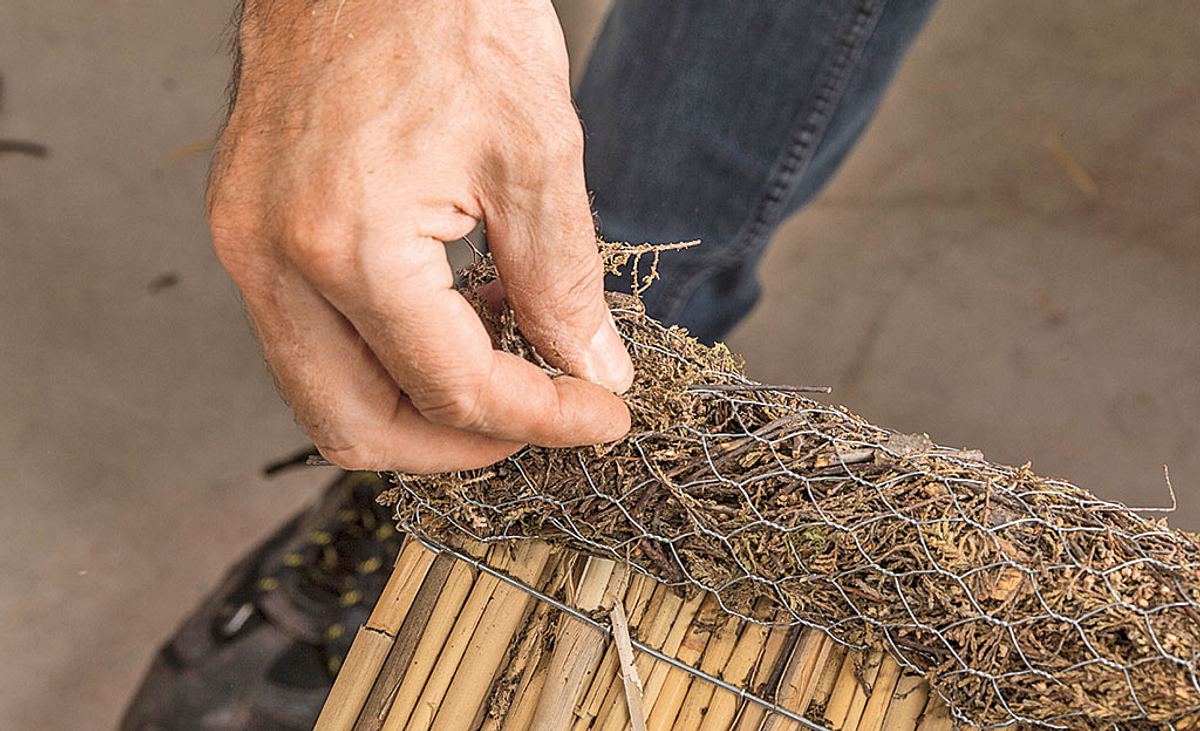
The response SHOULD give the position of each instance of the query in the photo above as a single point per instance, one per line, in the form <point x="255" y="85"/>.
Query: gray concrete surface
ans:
<point x="1008" y="262"/>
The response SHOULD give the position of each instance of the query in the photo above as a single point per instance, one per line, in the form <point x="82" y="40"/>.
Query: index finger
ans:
<point x="433" y="344"/>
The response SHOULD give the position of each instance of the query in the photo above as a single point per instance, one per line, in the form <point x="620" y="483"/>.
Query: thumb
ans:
<point x="544" y="245"/>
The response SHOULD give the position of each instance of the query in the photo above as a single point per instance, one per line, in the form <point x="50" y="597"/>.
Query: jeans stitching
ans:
<point x="804" y="140"/>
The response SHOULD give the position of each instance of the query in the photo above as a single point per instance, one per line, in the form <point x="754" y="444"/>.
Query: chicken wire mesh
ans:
<point x="1024" y="600"/>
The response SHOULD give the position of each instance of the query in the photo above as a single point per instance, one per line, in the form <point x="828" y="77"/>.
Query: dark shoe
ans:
<point x="262" y="650"/>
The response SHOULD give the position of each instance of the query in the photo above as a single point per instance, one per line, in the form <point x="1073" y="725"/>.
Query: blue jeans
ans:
<point x="716" y="120"/>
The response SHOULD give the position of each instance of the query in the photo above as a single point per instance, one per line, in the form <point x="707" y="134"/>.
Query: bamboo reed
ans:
<point x="374" y="640"/>
<point x="452" y="649"/>
<point x="676" y="682"/>
<point x="430" y="700"/>
<point x="937" y="717"/>
<point x="489" y="643"/>
<point x="908" y="703"/>
<point x="629" y="677"/>
<point x="814" y="697"/>
<point x="610" y="677"/>
<point x="804" y="676"/>
<point x="520" y="714"/>
<point x="441" y="622"/>
<point x="723" y="707"/>
<point x="863" y="672"/>
<point x="699" y="695"/>
<point x="882" y="692"/>
<point x="363" y="662"/>
<point x="400" y="657"/>
<point x="653" y="682"/>
<point x="577" y="652"/>
<point x="603" y="681"/>
<point x="766" y="676"/>
<point x="525" y="660"/>
<point x="842" y="693"/>
<point x="400" y="591"/>
<point x="661" y="614"/>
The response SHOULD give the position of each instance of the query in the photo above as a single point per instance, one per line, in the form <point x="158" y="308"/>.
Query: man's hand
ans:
<point x="366" y="133"/>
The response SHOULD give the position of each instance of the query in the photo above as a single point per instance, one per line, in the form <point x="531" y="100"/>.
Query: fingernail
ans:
<point x="607" y="361"/>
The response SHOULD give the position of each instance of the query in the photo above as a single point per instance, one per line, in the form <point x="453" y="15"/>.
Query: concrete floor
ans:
<point x="1009" y="262"/>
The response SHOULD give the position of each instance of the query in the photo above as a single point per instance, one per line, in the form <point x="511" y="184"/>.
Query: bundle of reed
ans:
<point x="529" y="636"/>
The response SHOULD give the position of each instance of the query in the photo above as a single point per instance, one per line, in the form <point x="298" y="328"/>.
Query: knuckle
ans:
<point x="572" y="292"/>
<point x="233" y="233"/>
<point x="530" y="152"/>
<point x="352" y="456"/>
<point x="314" y="243"/>
<point x="461" y="407"/>
<point x="563" y="143"/>
<point x="225" y="238"/>
<point x="310" y="237"/>
<point x="347" y="446"/>
<point x="350" y="438"/>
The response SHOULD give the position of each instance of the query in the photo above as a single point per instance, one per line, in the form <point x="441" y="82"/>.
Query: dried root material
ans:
<point x="1024" y="600"/>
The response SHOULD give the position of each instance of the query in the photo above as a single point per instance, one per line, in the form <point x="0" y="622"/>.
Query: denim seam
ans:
<point x="804" y="141"/>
